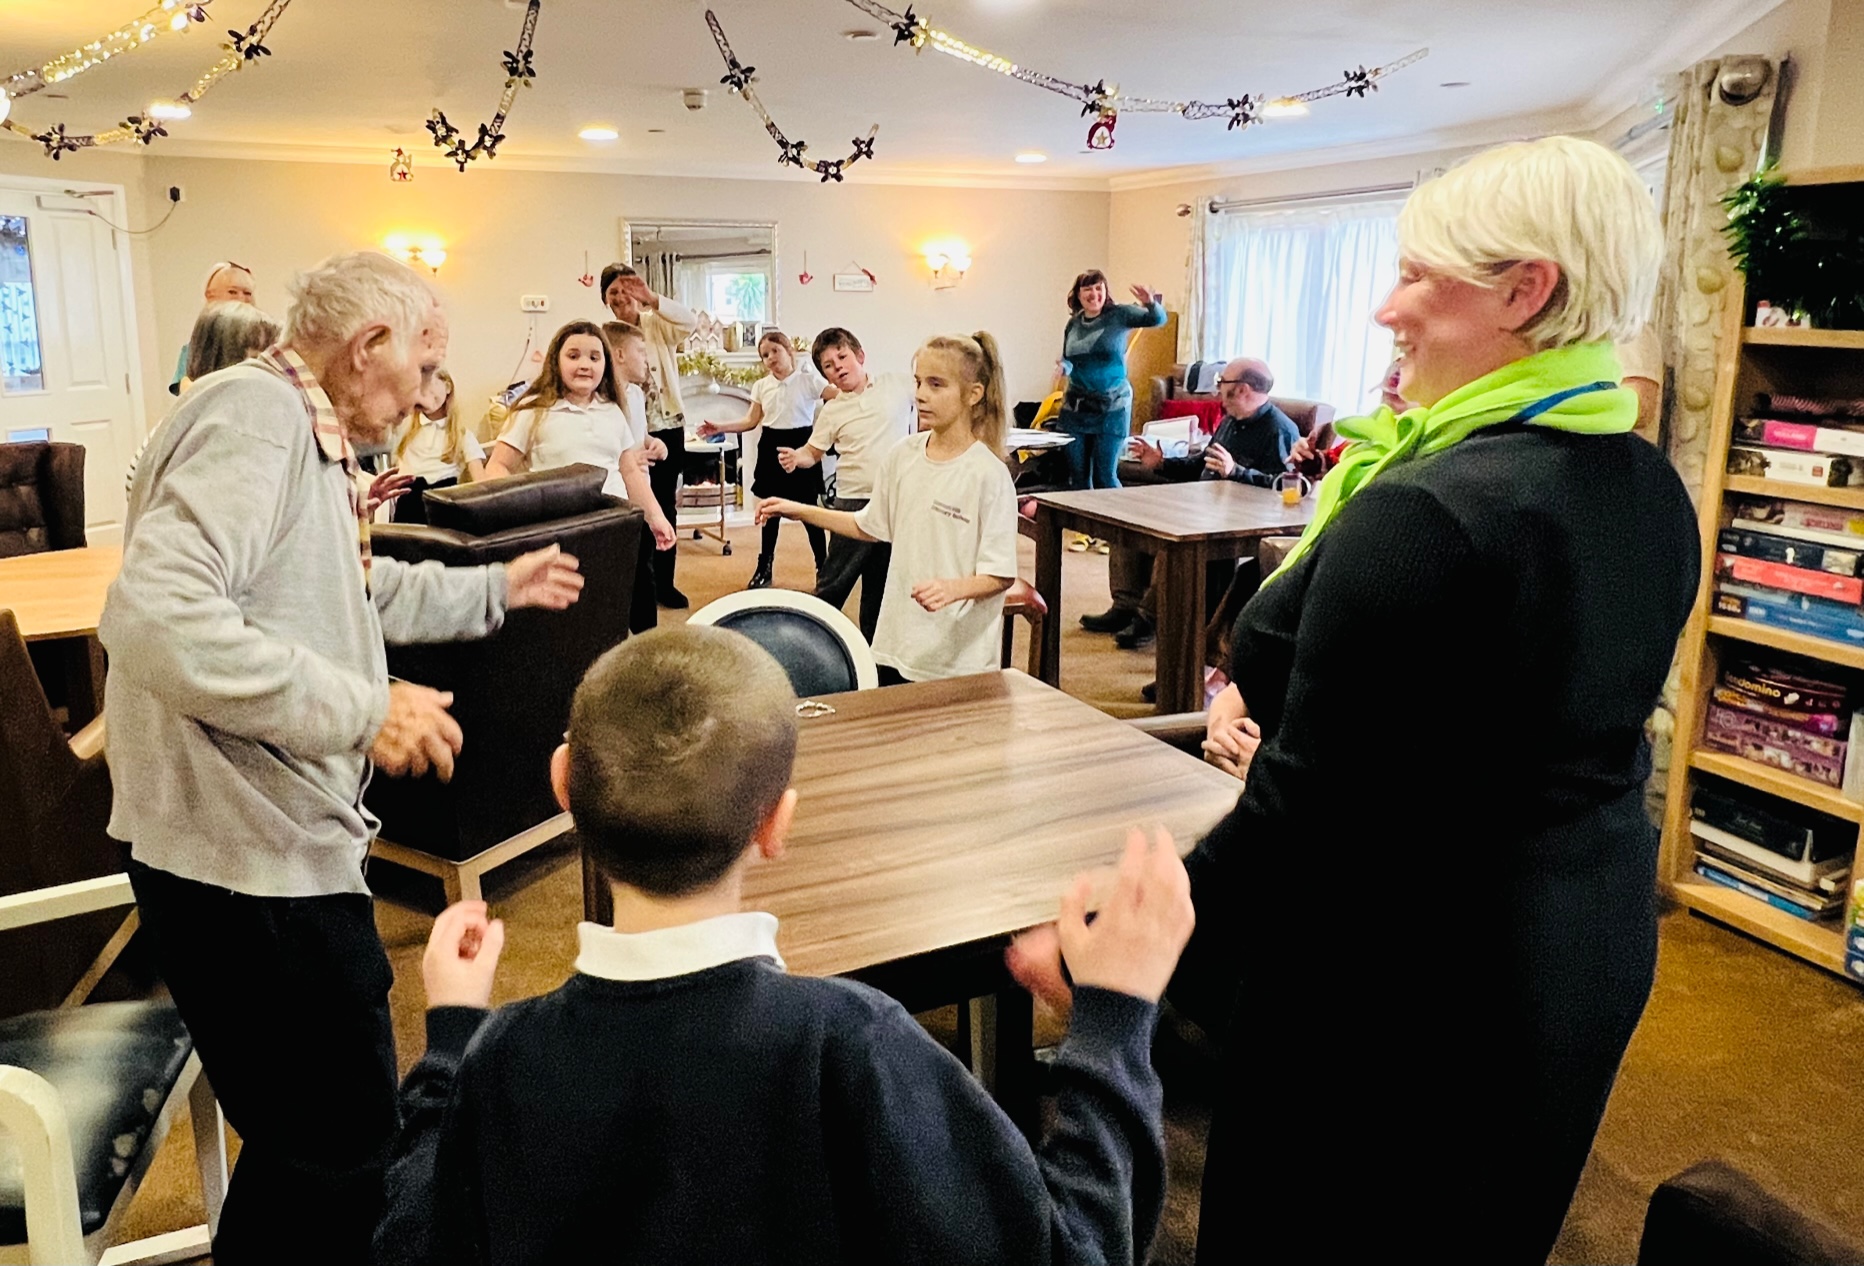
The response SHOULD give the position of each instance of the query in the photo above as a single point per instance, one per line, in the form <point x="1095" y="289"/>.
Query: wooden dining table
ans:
<point x="58" y="596"/>
<point x="936" y="819"/>
<point x="1188" y="525"/>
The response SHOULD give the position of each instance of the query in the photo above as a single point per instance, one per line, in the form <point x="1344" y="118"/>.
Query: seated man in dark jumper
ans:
<point x="1250" y="446"/>
<point x="682" y="1099"/>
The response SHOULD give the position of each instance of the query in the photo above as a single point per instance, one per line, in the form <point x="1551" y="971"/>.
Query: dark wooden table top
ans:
<point x="1202" y="510"/>
<point x="938" y="814"/>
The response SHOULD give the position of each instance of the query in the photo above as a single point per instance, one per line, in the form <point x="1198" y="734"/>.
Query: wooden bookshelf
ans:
<point x="1826" y="363"/>
<point x="1790" y="336"/>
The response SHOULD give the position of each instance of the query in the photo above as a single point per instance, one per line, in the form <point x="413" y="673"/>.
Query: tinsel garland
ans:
<point x="240" y="49"/>
<point x="518" y="74"/>
<point x="127" y="38"/>
<point x="739" y="78"/>
<point x="1105" y="101"/>
<point x="709" y="365"/>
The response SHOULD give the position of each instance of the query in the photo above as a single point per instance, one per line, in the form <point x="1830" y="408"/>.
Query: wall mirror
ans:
<point x="727" y="268"/>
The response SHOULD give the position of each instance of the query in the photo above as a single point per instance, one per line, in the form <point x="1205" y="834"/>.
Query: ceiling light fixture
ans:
<point x="859" y="34"/>
<point x="168" y="110"/>
<point x="1284" y="108"/>
<point x="6" y="106"/>
<point x="1032" y="156"/>
<point x="596" y="132"/>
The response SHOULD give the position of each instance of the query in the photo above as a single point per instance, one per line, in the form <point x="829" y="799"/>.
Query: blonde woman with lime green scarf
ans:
<point x="1428" y="928"/>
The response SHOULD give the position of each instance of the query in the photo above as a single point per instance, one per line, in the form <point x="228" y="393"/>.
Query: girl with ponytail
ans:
<point x="944" y="499"/>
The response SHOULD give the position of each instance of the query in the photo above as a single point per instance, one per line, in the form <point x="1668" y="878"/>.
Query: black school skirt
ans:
<point x="803" y="484"/>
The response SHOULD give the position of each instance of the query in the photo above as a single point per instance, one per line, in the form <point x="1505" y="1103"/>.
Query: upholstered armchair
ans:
<point x="511" y="691"/>
<point x="41" y="498"/>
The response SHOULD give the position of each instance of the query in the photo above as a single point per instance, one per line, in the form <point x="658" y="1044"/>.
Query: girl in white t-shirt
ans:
<point x="572" y="413"/>
<point x="437" y="450"/>
<point x="945" y="500"/>
<point x="784" y="402"/>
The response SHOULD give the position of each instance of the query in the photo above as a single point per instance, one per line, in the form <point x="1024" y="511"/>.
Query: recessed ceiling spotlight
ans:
<point x="859" y="34"/>
<point x="1032" y="156"/>
<point x="655" y="131"/>
<point x="168" y="110"/>
<point x="597" y="132"/>
<point x="1283" y="108"/>
<point x="1455" y="83"/>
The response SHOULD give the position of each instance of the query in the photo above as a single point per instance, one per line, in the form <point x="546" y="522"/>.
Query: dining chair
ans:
<point x="87" y="1094"/>
<point x="819" y="647"/>
<point x="1022" y="600"/>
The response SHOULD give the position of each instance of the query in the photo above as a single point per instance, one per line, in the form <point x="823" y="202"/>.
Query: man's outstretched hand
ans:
<point x="546" y="578"/>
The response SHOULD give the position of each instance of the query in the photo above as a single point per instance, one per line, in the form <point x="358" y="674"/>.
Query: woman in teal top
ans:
<point x="1098" y="407"/>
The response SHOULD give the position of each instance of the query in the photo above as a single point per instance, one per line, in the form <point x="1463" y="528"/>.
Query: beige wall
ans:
<point x="511" y="232"/>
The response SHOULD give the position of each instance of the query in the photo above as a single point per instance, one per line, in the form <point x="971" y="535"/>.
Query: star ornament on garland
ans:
<point x="145" y="129"/>
<point x="740" y="78"/>
<point x="247" y="44"/>
<point x="1358" y="82"/>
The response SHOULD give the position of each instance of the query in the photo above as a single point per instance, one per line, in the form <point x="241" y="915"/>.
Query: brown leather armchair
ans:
<point x="41" y="498"/>
<point x="55" y="800"/>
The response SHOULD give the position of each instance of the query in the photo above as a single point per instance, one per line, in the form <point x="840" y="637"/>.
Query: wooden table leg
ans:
<point x="1180" y="653"/>
<point x="1048" y="584"/>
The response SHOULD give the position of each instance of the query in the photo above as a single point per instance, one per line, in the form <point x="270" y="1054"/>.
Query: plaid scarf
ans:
<point x="331" y="441"/>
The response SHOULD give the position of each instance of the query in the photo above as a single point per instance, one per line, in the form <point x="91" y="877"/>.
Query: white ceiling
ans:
<point x="353" y="79"/>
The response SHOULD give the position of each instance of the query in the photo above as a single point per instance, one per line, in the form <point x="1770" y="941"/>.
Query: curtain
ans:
<point x="659" y="268"/>
<point x="1298" y="289"/>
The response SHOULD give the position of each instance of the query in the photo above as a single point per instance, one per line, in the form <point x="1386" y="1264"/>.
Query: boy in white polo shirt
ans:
<point x="862" y="424"/>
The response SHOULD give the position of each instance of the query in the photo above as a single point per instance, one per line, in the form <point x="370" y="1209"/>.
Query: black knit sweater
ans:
<point x="740" y="1115"/>
<point x="1430" y="919"/>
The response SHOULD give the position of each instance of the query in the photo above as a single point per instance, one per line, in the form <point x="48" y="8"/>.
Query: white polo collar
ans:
<point x="676" y="951"/>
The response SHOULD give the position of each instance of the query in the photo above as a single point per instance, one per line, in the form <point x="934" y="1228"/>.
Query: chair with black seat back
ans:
<point x="41" y="498"/>
<point x="87" y="1094"/>
<point x="511" y="691"/>
<point x="819" y="647"/>
<point x="1712" y="1212"/>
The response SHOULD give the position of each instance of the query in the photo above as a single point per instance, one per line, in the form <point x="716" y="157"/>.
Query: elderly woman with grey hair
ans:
<point x="1450" y="677"/>
<point x="224" y="334"/>
<point x="249" y="699"/>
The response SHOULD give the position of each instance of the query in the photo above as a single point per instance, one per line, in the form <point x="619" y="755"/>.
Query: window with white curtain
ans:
<point x="1298" y="288"/>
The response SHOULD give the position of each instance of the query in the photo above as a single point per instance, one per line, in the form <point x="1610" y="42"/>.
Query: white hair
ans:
<point x="333" y="301"/>
<point x="1562" y="199"/>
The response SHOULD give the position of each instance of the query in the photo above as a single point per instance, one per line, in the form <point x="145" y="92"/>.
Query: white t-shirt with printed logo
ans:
<point x="566" y="433"/>
<point x="947" y="520"/>
<point x="863" y="428"/>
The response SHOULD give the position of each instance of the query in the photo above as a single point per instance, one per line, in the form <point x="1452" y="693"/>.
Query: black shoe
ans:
<point x="672" y="599"/>
<point x="1135" y="636"/>
<point x="760" y="579"/>
<point x="1112" y="620"/>
<point x="1149" y="692"/>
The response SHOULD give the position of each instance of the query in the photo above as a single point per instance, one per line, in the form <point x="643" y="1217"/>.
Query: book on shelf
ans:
<point x="1738" y="724"/>
<point x="1826" y="900"/>
<point x="1814" y="584"/>
<point x="1785" y="405"/>
<point x="1786" y="757"/>
<point x="1782" y="515"/>
<point x="1830" y="883"/>
<point x="1791" y="552"/>
<point x="1806" y="437"/>
<point x="1814" y="469"/>
<point x="1792" y="831"/>
<point x="1804" y="874"/>
<point x="1726" y="880"/>
<point x="1815" y="617"/>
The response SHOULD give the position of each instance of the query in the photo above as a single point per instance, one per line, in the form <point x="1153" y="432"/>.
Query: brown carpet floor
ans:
<point x="1744" y="1053"/>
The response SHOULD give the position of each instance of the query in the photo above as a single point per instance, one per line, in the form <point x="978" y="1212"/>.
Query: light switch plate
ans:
<point x="534" y="303"/>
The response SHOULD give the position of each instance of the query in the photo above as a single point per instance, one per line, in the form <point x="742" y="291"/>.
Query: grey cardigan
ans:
<point x="247" y="673"/>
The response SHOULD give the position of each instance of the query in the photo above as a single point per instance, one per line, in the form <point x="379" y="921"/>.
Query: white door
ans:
<point x="65" y="353"/>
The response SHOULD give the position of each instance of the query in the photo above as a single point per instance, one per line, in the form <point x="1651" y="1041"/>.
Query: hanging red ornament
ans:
<point x="587" y="278"/>
<point x="1100" y="132"/>
<point x="805" y="276"/>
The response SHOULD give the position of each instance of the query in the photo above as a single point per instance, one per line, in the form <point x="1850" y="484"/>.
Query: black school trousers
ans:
<point x="287" y="1001"/>
<point x="850" y="560"/>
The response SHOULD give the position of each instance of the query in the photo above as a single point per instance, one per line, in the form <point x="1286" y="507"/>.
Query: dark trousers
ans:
<point x="665" y="477"/>
<point x="850" y="560"/>
<point x="818" y="542"/>
<point x="287" y="1000"/>
<point x="644" y="607"/>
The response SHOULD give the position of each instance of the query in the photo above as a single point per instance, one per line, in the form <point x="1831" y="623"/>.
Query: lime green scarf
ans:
<point x="1386" y="439"/>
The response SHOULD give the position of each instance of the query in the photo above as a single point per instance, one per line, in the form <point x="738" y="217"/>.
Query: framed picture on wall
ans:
<point x="862" y="281"/>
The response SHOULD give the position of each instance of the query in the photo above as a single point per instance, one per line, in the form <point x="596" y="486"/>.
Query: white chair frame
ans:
<point x="866" y="670"/>
<point x="31" y="1112"/>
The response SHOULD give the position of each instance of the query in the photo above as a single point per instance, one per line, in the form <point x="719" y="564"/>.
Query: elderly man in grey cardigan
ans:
<point x="248" y="698"/>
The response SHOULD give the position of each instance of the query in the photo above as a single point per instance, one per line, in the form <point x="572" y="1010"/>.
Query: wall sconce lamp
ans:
<point x="948" y="265"/>
<point x="427" y="253"/>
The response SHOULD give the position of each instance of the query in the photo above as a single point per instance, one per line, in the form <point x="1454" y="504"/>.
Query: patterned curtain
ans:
<point x="1718" y="144"/>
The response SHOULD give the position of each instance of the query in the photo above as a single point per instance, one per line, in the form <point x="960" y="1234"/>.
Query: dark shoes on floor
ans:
<point x="1135" y="636"/>
<point x="1112" y="620"/>
<point x="760" y="579"/>
<point x="672" y="599"/>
